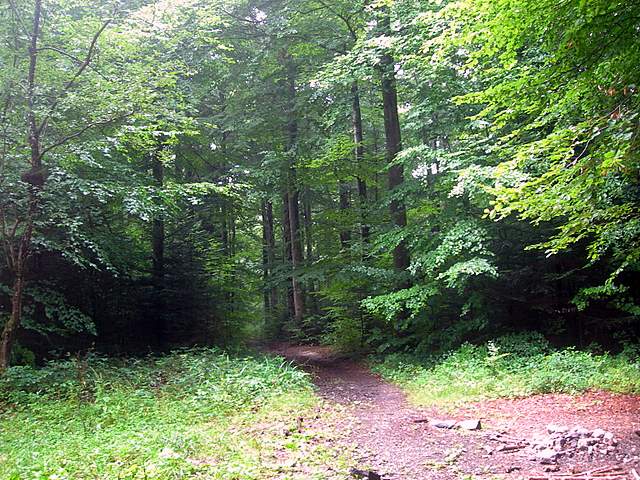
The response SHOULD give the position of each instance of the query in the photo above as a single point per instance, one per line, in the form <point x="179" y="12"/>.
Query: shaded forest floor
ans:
<point x="372" y="420"/>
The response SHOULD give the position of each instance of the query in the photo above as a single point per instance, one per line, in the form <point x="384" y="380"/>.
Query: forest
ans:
<point x="200" y="197"/>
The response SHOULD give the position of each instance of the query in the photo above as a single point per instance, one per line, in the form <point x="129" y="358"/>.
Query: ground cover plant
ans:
<point x="510" y="366"/>
<point x="185" y="415"/>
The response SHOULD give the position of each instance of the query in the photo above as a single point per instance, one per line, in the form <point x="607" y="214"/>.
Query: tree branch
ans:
<point x="67" y="87"/>
<point x="80" y="132"/>
<point x="75" y="59"/>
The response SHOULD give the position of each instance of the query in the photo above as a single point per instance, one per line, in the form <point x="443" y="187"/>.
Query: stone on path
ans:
<point x="448" y="424"/>
<point x="470" y="425"/>
<point x="547" y="456"/>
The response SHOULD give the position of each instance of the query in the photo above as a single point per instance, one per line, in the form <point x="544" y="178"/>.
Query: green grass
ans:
<point x="186" y="415"/>
<point x="512" y="366"/>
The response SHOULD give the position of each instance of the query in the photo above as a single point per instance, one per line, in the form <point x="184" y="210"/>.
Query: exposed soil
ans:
<point x="394" y="438"/>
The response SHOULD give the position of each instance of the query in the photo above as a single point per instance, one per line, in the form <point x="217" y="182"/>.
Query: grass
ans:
<point x="511" y="366"/>
<point x="191" y="414"/>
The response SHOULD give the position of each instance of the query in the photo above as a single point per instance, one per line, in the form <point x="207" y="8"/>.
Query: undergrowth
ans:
<point x="510" y="366"/>
<point x="190" y="414"/>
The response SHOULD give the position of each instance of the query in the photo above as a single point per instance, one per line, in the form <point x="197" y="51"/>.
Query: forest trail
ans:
<point x="395" y="439"/>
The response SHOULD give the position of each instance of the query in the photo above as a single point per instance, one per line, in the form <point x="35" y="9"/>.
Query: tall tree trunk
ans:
<point x="294" y="194"/>
<point x="296" y="256"/>
<point x="344" y="191"/>
<point x="393" y="147"/>
<point x="266" y="267"/>
<point x="312" y="301"/>
<point x="35" y="178"/>
<point x="308" y="224"/>
<point x="269" y="245"/>
<point x="358" y="138"/>
<point x="286" y="243"/>
<point x="13" y="323"/>
<point x="158" y="240"/>
<point x="224" y="230"/>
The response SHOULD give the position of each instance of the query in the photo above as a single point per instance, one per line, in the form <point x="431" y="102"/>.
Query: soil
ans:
<point x="393" y="438"/>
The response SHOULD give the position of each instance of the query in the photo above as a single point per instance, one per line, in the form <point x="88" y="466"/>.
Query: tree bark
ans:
<point x="393" y="147"/>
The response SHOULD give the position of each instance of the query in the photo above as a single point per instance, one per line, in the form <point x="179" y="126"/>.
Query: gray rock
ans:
<point x="469" y="425"/>
<point x="598" y="433"/>
<point x="580" y="432"/>
<point x="547" y="456"/>
<point x="552" y="428"/>
<point x="448" y="424"/>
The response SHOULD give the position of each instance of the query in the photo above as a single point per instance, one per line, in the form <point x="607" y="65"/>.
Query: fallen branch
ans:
<point x="510" y="448"/>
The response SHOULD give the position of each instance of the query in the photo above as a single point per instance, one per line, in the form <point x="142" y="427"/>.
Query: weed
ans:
<point x="509" y="367"/>
<point x="185" y="415"/>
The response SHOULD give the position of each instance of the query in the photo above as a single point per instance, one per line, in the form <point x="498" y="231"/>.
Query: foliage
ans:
<point x="186" y="414"/>
<point x="510" y="366"/>
<point x="164" y="215"/>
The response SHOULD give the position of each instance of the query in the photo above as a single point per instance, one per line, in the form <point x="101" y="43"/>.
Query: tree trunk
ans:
<point x="293" y="197"/>
<point x="158" y="240"/>
<point x="358" y="138"/>
<point x="13" y="323"/>
<point x="311" y="301"/>
<point x="286" y="243"/>
<point x="393" y="147"/>
<point x="265" y="262"/>
<point x="344" y="191"/>
<point x="296" y="256"/>
<point x="308" y="225"/>
<point x="268" y="260"/>
<point x="35" y="178"/>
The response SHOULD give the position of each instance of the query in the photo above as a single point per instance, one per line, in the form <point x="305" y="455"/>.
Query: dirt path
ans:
<point x="391" y="437"/>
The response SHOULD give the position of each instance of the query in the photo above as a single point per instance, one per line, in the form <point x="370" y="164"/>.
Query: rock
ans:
<point x="598" y="433"/>
<point x="580" y="432"/>
<point x="608" y="436"/>
<point x="469" y="425"/>
<point x="448" y="424"/>
<point x="584" y="443"/>
<point x="369" y="475"/>
<point x="547" y="456"/>
<point x="552" y="428"/>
